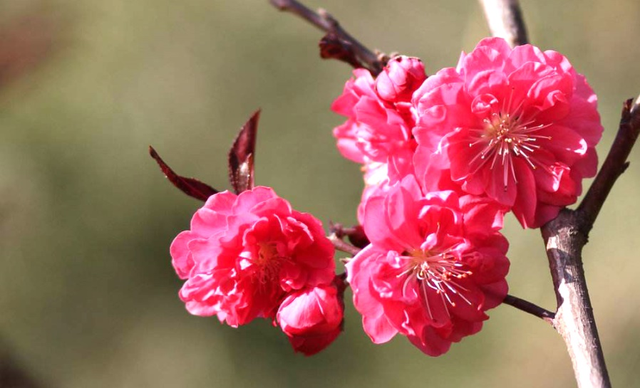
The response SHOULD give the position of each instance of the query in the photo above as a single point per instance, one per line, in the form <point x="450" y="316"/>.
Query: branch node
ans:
<point x="329" y="18"/>
<point x="323" y="20"/>
<point x="342" y="246"/>
<point x="624" y="167"/>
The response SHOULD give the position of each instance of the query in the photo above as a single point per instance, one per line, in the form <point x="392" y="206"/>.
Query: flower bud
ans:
<point x="312" y="318"/>
<point x="400" y="78"/>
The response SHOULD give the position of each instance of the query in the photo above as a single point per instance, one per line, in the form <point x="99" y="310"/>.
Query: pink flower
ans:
<point x="435" y="264"/>
<point x="378" y="130"/>
<point x="519" y="125"/>
<point x="399" y="79"/>
<point x="312" y="318"/>
<point x="245" y="253"/>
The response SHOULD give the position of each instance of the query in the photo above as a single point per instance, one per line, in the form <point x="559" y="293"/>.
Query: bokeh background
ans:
<point x="88" y="297"/>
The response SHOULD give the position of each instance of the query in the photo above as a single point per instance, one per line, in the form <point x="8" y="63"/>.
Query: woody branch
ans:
<point x="350" y="49"/>
<point x="566" y="236"/>
<point x="324" y="21"/>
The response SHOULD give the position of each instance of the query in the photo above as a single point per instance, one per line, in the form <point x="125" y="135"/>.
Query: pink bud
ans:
<point x="400" y="78"/>
<point x="312" y="318"/>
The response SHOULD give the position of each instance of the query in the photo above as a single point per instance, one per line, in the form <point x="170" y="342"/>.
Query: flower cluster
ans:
<point x="377" y="133"/>
<point x="252" y="256"/>
<point x="378" y="130"/>
<point x="445" y="158"/>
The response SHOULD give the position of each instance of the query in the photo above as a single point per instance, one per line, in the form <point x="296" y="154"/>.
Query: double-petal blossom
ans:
<point x="244" y="254"/>
<point x="377" y="132"/>
<point x="518" y="125"/>
<point x="435" y="264"/>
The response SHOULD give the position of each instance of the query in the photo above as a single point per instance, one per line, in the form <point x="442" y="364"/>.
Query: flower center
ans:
<point x="268" y="261"/>
<point x="505" y="136"/>
<point x="436" y="272"/>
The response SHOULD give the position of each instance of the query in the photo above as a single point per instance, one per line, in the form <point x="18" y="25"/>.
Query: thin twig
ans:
<point x="338" y="232"/>
<point x="514" y="301"/>
<point x="506" y="21"/>
<point x="614" y="165"/>
<point x="14" y="374"/>
<point x="343" y="246"/>
<point x="327" y="23"/>
<point x="530" y="308"/>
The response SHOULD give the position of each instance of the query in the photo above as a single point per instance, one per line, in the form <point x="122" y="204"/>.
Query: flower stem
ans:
<point x="530" y="308"/>
<point x="343" y="246"/>
<point x="327" y="23"/>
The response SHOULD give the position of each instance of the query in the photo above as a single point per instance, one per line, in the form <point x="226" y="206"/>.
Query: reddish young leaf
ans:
<point x="192" y="187"/>
<point x="242" y="155"/>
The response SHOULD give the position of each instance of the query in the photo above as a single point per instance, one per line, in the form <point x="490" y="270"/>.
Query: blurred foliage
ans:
<point x="87" y="293"/>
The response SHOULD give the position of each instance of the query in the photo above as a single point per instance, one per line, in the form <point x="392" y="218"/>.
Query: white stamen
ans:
<point x="507" y="135"/>
<point x="439" y="273"/>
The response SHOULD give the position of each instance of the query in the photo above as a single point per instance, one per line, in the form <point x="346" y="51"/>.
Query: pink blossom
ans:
<point x="245" y="253"/>
<point x="312" y="318"/>
<point x="399" y="79"/>
<point x="435" y="264"/>
<point x="519" y="125"/>
<point x="377" y="132"/>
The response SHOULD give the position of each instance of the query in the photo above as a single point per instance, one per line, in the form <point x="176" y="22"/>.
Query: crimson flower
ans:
<point x="244" y="254"/>
<point x="518" y="125"/>
<point x="378" y="130"/>
<point x="435" y="264"/>
<point x="312" y="318"/>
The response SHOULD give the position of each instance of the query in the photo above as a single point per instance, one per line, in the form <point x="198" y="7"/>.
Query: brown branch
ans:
<point x="343" y="246"/>
<point x="13" y="374"/>
<point x="506" y="21"/>
<point x="564" y="238"/>
<point x="614" y="165"/>
<point x="339" y="232"/>
<point x="327" y="23"/>
<point x="530" y="308"/>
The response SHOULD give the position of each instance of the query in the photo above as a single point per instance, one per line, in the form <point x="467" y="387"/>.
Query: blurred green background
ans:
<point x="88" y="297"/>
